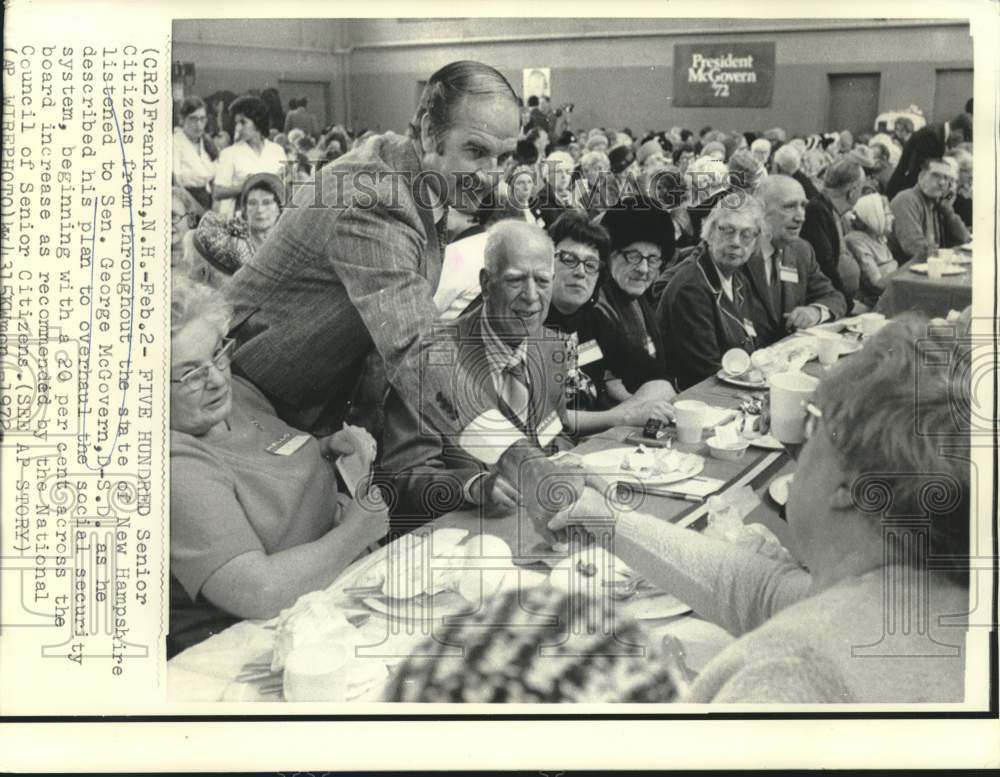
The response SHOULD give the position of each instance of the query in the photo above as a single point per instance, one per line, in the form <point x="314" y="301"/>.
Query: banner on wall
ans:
<point x="537" y="82"/>
<point x="723" y="75"/>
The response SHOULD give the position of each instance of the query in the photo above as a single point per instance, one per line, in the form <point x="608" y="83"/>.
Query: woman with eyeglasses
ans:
<point x="255" y="517"/>
<point x="642" y="241"/>
<point x="705" y="308"/>
<point x="194" y="156"/>
<point x="582" y="252"/>
<point x="876" y="609"/>
<point x="221" y="245"/>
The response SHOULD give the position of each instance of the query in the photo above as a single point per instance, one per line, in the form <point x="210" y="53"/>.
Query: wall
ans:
<point x="373" y="65"/>
<point x="239" y="55"/>
<point x="629" y="80"/>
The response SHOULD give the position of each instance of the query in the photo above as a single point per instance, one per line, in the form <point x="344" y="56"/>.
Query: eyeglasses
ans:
<point x="195" y="379"/>
<point x="176" y="218"/>
<point x="196" y="118"/>
<point x="572" y="261"/>
<point x="745" y="235"/>
<point x="813" y="416"/>
<point x="635" y="257"/>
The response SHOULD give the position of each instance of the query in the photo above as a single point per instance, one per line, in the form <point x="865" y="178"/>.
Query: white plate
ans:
<point x="442" y="542"/>
<point x="921" y="268"/>
<point x="736" y="380"/>
<point x="440" y="605"/>
<point x="767" y="442"/>
<point x="610" y="569"/>
<point x="608" y="463"/>
<point x="655" y="607"/>
<point x="778" y="489"/>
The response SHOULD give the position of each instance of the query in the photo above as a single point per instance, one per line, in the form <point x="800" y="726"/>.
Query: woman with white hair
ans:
<point x="878" y="519"/>
<point x="867" y="242"/>
<point x="255" y="517"/>
<point x="761" y="150"/>
<point x="708" y="181"/>
<point x="788" y="161"/>
<point x="556" y="193"/>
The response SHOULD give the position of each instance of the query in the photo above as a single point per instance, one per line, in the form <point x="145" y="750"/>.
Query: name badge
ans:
<point x="549" y="428"/>
<point x="650" y="348"/>
<point x="749" y="328"/>
<point x="589" y="353"/>
<point x="788" y="274"/>
<point x="287" y="444"/>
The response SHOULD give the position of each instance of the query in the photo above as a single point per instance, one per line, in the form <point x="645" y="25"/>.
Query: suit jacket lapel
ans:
<point x="432" y="259"/>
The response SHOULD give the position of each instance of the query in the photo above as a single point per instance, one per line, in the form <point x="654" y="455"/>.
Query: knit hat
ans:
<point x="224" y="242"/>
<point x="268" y="181"/>
<point x="621" y="157"/>
<point x="541" y="645"/>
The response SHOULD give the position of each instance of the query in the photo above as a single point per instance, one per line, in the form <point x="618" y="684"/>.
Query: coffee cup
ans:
<point x="689" y="418"/>
<point x="828" y="350"/>
<point x="936" y="266"/>
<point x="789" y="390"/>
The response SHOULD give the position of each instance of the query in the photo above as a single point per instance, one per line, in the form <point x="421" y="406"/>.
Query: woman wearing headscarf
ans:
<point x="872" y="220"/>
<point x="642" y="241"/>
<point x="255" y="517"/>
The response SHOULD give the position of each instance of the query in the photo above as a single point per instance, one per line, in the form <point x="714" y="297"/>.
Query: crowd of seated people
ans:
<point x="600" y="273"/>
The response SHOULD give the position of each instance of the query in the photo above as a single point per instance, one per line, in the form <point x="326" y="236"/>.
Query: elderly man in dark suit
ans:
<point x="345" y="282"/>
<point x="513" y="359"/>
<point x="789" y="291"/>
<point x="928" y="142"/>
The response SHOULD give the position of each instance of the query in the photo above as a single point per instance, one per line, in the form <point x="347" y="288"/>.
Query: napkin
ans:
<point x="717" y="416"/>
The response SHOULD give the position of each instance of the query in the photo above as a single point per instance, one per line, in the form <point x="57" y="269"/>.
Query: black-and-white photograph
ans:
<point x="574" y="360"/>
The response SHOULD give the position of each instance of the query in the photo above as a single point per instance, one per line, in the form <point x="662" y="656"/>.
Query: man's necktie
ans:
<point x="776" y="282"/>
<point x="516" y="393"/>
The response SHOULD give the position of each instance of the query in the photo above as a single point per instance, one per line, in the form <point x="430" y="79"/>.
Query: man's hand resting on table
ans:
<point x="804" y="317"/>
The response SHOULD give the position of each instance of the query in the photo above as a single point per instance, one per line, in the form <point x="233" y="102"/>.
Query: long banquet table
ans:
<point x="208" y="671"/>
<point x="934" y="297"/>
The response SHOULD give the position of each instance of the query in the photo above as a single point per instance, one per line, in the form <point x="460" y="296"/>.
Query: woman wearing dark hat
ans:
<point x="223" y="245"/>
<point x="582" y="252"/>
<point x="250" y="153"/>
<point x="642" y="240"/>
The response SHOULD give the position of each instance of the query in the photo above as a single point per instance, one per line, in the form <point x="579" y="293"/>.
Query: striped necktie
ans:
<point x="516" y="393"/>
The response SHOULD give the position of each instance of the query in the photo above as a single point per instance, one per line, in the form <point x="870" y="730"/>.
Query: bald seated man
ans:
<point x="789" y="291"/>
<point x="517" y="365"/>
